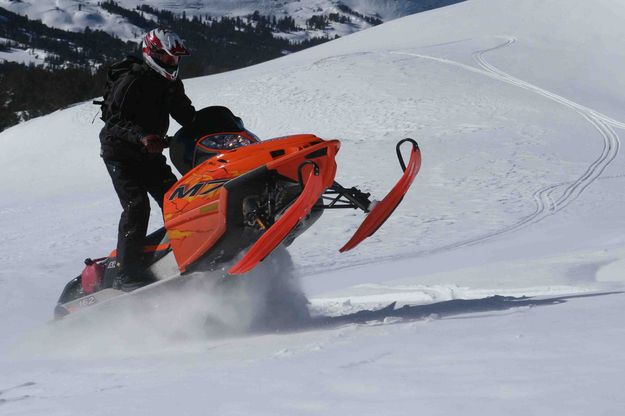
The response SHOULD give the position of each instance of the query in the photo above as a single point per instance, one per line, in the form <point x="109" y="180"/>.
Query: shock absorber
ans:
<point x="251" y="215"/>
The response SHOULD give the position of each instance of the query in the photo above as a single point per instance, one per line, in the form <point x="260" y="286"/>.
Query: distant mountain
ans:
<point x="350" y="15"/>
<point x="63" y="46"/>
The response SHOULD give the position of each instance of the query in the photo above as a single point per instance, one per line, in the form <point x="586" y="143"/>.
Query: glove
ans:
<point x="153" y="143"/>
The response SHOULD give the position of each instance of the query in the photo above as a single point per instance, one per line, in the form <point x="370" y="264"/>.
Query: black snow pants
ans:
<point x="133" y="181"/>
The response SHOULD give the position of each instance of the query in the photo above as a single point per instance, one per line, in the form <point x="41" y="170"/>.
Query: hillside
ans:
<point x="74" y="15"/>
<point x="64" y="47"/>
<point x="519" y="115"/>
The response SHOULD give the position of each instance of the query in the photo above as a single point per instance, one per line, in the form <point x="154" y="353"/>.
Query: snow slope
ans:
<point x="75" y="15"/>
<point x="519" y="115"/>
<point x="29" y="56"/>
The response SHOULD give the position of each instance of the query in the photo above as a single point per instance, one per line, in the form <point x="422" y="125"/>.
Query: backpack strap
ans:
<point x="114" y="73"/>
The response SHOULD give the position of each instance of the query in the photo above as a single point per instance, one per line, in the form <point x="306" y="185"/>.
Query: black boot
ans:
<point x="127" y="283"/>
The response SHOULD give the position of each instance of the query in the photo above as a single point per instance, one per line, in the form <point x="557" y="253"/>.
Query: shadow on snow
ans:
<point x="450" y="308"/>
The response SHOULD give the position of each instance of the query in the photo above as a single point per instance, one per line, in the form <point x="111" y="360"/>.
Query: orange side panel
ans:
<point x="193" y="233"/>
<point x="195" y="207"/>
<point x="288" y="166"/>
<point x="146" y="249"/>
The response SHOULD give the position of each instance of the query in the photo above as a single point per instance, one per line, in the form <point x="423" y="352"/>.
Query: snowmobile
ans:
<point x="238" y="194"/>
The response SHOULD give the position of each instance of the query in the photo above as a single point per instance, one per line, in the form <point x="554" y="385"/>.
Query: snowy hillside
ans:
<point x="75" y="15"/>
<point x="519" y="114"/>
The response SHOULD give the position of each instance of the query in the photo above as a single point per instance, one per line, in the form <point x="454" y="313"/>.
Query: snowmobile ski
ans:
<point x="381" y="211"/>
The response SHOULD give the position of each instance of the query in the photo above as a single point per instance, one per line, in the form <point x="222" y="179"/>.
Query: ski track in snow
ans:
<point x="546" y="203"/>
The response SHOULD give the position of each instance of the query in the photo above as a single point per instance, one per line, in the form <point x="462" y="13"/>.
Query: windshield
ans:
<point x="225" y="141"/>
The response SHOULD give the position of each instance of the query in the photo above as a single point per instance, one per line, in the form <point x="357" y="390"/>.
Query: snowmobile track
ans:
<point x="544" y="200"/>
<point x="546" y="203"/>
<point x="600" y="122"/>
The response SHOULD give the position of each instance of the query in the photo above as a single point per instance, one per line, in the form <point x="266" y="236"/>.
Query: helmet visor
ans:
<point x="166" y="59"/>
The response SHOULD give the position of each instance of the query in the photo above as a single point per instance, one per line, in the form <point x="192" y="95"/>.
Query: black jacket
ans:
<point x="141" y="103"/>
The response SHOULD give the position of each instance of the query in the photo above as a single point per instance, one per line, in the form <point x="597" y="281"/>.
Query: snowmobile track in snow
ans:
<point x="547" y="200"/>
<point x="600" y="122"/>
<point x="5" y="400"/>
<point x="544" y="199"/>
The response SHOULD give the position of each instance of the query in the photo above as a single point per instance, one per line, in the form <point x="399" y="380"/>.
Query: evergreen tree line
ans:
<point x="76" y="62"/>
<point x="33" y="91"/>
<point x="372" y="20"/>
<point x="65" y="49"/>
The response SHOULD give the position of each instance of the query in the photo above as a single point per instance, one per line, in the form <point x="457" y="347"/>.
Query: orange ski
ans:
<point x="380" y="213"/>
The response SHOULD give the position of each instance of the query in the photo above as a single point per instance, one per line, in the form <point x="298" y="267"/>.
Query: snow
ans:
<point x="65" y="14"/>
<point x="518" y="113"/>
<point x="24" y="56"/>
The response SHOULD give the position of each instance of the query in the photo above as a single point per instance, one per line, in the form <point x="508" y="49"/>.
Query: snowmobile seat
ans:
<point x="209" y="120"/>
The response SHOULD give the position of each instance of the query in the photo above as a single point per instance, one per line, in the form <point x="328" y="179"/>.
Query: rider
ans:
<point x="132" y="141"/>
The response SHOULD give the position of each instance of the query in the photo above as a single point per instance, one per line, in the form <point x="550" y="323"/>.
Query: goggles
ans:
<point x="165" y="58"/>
